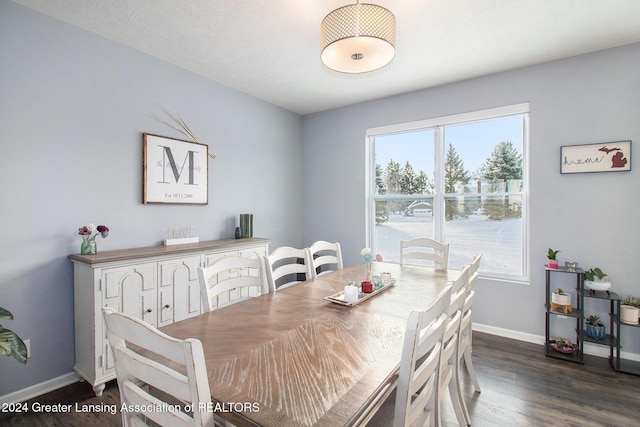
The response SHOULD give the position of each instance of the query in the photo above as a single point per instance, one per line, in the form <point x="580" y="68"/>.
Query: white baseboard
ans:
<point x="40" y="389"/>
<point x="590" y="349"/>
<point x="508" y="333"/>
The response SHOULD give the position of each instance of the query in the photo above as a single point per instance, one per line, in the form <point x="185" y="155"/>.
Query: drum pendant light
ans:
<point x="358" y="38"/>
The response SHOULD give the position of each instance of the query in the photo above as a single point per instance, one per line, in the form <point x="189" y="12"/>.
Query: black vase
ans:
<point x="246" y="225"/>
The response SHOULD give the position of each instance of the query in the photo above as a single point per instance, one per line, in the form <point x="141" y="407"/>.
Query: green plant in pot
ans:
<point x="629" y="311"/>
<point x="10" y="343"/>
<point x="552" y="258"/>
<point x="595" y="329"/>
<point x="596" y="280"/>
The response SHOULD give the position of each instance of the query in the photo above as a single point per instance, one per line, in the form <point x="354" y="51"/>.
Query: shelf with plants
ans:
<point x="617" y="362"/>
<point x="558" y="304"/>
<point x="592" y="284"/>
<point x="610" y="339"/>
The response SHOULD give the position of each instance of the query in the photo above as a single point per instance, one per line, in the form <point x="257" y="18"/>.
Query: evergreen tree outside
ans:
<point x="503" y="165"/>
<point x="408" y="179"/>
<point x="423" y="184"/>
<point x="382" y="213"/>
<point x="392" y="177"/>
<point x="454" y="174"/>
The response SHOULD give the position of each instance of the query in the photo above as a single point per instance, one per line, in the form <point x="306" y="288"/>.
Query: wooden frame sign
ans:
<point x="175" y="171"/>
<point x="601" y="157"/>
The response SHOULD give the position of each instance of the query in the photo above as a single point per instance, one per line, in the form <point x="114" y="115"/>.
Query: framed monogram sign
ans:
<point x="174" y="171"/>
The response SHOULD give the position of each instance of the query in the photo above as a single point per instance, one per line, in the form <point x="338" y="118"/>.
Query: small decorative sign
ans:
<point x="601" y="157"/>
<point x="175" y="171"/>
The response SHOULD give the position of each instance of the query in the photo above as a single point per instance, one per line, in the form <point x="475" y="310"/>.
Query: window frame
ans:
<point x="439" y="197"/>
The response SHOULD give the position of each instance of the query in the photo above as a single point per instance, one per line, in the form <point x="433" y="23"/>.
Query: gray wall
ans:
<point x="73" y="108"/>
<point x="591" y="218"/>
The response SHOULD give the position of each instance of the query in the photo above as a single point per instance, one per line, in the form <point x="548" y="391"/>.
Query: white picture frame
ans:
<point x="600" y="157"/>
<point x="174" y="171"/>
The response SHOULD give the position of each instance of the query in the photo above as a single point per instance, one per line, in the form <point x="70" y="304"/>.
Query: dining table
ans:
<point x="292" y="358"/>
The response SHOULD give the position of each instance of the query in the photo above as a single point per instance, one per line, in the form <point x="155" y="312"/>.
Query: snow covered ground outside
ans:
<point x="500" y="241"/>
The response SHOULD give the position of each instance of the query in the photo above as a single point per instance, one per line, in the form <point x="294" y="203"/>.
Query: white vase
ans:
<point x="629" y="314"/>
<point x="561" y="299"/>
<point x="598" y="285"/>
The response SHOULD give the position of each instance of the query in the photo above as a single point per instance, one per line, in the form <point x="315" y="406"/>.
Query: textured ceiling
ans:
<point x="270" y="48"/>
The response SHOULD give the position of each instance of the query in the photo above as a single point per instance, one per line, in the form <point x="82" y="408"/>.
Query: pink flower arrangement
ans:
<point x="87" y="231"/>
<point x="88" y="246"/>
<point x="368" y="257"/>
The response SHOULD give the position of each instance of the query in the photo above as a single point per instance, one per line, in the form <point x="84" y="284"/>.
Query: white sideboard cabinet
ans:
<point x="158" y="284"/>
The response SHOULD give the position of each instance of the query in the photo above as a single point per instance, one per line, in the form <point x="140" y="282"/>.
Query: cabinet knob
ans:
<point x="167" y="305"/>
<point x="149" y="310"/>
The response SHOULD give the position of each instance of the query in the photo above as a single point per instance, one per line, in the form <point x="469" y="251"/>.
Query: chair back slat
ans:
<point x="154" y="369"/>
<point x="286" y="266"/>
<point x="231" y="280"/>
<point x="326" y="257"/>
<point x="425" y="249"/>
<point x="417" y="391"/>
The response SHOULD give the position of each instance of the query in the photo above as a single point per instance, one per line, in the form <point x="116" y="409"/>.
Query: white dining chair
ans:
<point x="147" y="382"/>
<point x="286" y="266"/>
<point x="326" y="257"/>
<point x="417" y="391"/>
<point x="465" y="341"/>
<point x="231" y="280"/>
<point x="449" y="361"/>
<point x="425" y="250"/>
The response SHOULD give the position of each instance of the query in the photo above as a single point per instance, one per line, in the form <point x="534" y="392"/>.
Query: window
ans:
<point x="460" y="179"/>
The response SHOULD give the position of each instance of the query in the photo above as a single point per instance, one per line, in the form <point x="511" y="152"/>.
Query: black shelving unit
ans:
<point x="611" y="340"/>
<point x="617" y="362"/>
<point x="577" y="313"/>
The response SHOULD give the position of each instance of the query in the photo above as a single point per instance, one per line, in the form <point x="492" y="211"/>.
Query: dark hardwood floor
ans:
<point x="520" y="387"/>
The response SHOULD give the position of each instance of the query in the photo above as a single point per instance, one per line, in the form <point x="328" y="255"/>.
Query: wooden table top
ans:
<point x="296" y="359"/>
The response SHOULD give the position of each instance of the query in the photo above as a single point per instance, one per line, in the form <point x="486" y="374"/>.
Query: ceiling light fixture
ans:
<point x="358" y="38"/>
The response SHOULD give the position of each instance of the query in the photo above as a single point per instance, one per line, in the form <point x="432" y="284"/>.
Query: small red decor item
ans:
<point x="367" y="287"/>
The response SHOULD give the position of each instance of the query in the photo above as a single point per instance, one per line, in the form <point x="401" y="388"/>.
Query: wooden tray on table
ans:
<point x="338" y="297"/>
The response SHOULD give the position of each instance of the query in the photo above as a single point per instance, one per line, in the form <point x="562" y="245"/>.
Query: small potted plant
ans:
<point x="563" y="345"/>
<point x="596" y="280"/>
<point x="595" y="329"/>
<point x="552" y="258"/>
<point x="10" y="343"/>
<point x="629" y="311"/>
<point x="561" y="300"/>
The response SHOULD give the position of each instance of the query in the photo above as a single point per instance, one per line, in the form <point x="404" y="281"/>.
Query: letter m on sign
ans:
<point x="169" y="164"/>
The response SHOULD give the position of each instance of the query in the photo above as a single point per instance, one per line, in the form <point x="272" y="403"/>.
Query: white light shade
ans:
<point x="358" y="38"/>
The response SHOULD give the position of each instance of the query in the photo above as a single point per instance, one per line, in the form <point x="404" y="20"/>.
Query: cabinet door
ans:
<point x="179" y="290"/>
<point x="129" y="290"/>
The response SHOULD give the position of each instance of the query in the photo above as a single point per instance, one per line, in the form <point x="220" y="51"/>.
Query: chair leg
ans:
<point x="454" y="393"/>
<point x="470" y="369"/>
<point x="465" y="412"/>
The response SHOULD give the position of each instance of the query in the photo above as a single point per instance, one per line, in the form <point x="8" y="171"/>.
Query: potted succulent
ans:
<point x="596" y="280"/>
<point x="10" y="343"/>
<point x="629" y="311"/>
<point x="561" y="299"/>
<point x="595" y="329"/>
<point x="563" y="345"/>
<point x="552" y="258"/>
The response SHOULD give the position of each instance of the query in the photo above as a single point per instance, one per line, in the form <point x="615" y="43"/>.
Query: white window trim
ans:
<point x="492" y="113"/>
